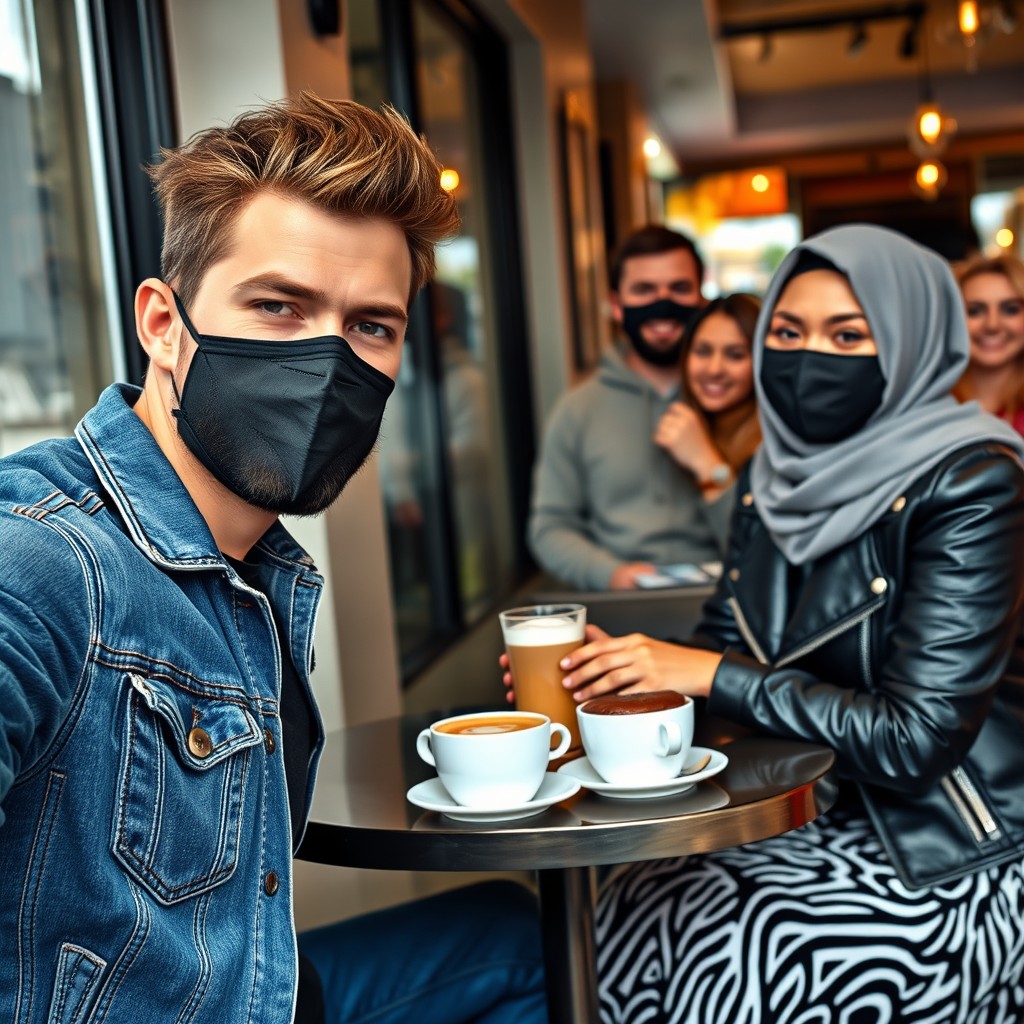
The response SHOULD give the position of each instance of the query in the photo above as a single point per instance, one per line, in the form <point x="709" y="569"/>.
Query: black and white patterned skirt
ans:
<point x="811" y="927"/>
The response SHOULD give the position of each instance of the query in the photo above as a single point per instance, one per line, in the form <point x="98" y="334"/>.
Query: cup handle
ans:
<point x="423" y="747"/>
<point x="670" y="739"/>
<point x="563" y="743"/>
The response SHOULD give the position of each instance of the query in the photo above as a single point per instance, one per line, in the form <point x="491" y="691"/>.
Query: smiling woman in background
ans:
<point x="714" y="430"/>
<point x="993" y="291"/>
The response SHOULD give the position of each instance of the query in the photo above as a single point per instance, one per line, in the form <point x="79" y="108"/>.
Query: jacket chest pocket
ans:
<point x="182" y="787"/>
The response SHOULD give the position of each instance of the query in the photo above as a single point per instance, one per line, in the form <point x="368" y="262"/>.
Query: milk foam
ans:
<point x="487" y="730"/>
<point x="544" y="631"/>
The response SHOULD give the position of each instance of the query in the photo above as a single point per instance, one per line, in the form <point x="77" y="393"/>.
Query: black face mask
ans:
<point x="819" y="396"/>
<point x="634" y="317"/>
<point x="282" y="424"/>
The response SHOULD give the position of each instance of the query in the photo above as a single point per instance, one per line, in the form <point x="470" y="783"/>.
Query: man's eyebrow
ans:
<point x="380" y="310"/>
<point x="285" y="286"/>
<point x="281" y="284"/>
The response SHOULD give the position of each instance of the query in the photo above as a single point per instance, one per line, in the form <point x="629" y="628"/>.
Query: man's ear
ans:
<point x="616" y="304"/>
<point x="157" y="323"/>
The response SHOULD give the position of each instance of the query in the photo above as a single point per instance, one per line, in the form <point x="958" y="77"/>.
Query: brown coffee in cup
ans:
<point x="483" y="726"/>
<point x="634" y="703"/>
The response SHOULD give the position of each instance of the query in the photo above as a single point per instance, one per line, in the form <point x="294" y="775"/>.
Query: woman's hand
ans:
<point x="682" y="434"/>
<point x="633" y="663"/>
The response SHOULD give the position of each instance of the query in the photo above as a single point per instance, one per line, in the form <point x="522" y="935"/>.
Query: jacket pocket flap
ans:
<point x="206" y="729"/>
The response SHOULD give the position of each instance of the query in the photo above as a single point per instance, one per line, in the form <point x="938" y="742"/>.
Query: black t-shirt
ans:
<point x="298" y="735"/>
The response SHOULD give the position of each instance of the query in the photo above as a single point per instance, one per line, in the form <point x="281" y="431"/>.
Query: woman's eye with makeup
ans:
<point x="783" y="332"/>
<point x="1013" y="308"/>
<point x="975" y="309"/>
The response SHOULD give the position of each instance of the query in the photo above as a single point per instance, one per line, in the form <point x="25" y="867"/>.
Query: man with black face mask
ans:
<point x="159" y="738"/>
<point x="609" y="504"/>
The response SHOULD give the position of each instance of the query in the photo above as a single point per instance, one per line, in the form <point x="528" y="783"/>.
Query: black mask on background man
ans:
<point x="282" y="424"/>
<point x="820" y="396"/>
<point x="634" y="317"/>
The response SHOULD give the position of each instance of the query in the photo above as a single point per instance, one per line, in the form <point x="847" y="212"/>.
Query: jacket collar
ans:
<point x="158" y="512"/>
<point x="836" y="596"/>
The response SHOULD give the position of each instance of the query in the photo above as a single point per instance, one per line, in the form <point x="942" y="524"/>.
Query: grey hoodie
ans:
<point x="604" y="494"/>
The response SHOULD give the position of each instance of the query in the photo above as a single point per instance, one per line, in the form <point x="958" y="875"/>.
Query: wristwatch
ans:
<point x="720" y="476"/>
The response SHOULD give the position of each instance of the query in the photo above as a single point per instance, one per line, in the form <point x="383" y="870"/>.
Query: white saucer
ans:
<point x="432" y="796"/>
<point x="584" y="771"/>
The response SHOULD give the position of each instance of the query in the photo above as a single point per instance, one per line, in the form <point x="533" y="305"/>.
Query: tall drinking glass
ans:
<point x="537" y="637"/>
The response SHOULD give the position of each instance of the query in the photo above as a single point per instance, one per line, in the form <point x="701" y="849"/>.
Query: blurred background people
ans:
<point x="993" y="291"/>
<point x="608" y="503"/>
<point x="714" y="430"/>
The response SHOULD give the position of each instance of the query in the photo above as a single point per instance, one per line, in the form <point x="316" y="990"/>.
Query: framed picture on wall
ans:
<point x="583" y="233"/>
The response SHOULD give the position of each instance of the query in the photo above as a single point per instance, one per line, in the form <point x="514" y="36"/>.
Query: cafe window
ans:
<point x="456" y="443"/>
<point x="63" y="261"/>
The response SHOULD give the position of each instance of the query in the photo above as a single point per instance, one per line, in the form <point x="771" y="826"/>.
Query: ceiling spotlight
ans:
<point x="858" y="40"/>
<point x="652" y="147"/>
<point x="1004" y="238"/>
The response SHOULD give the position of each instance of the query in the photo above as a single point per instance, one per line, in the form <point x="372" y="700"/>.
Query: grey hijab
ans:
<point x="813" y="498"/>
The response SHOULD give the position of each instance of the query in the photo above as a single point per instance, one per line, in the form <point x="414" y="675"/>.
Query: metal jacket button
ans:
<point x="268" y="741"/>
<point x="199" y="743"/>
<point x="879" y="585"/>
<point x="271" y="883"/>
<point x="747" y="499"/>
<point x="734" y="574"/>
<point x="899" y="504"/>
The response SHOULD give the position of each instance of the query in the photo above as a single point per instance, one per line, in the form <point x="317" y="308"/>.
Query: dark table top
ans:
<point x="361" y="818"/>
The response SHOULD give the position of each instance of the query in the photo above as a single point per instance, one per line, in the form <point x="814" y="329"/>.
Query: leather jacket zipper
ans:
<point x="811" y="645"/>
<point x="830" y="634"/>
<point x="745" y="631"/>
<point x="964" y="796"/>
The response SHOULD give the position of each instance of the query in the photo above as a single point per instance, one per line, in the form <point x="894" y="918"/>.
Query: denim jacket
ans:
<point x="145" y="842"/>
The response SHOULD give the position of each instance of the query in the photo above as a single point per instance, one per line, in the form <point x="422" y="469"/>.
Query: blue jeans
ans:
<point x="472" y="954"/>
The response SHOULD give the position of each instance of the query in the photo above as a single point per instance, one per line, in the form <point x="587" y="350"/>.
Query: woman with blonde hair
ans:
<point x="993" y="291"/>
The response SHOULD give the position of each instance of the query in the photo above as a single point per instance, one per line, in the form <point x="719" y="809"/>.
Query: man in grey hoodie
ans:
<point x="609" y="501"/>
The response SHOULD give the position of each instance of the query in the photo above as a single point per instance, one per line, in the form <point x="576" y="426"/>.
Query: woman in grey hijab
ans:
<point x="871" y="602"/>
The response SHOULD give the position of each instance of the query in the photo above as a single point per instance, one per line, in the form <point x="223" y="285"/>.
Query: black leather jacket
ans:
<point x="901" y="651"/>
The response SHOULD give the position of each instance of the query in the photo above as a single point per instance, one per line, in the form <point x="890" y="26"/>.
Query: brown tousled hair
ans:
<point x="336" y="155"/>
<point x="1010" y="267"/>
<point x="651" y="240"/>
<point x="737" y="432"/>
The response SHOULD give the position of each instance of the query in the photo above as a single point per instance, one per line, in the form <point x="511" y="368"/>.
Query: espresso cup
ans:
<point x="537" y="637"/>
<point x="637" y="738"/>
<point x="492" y="759"/>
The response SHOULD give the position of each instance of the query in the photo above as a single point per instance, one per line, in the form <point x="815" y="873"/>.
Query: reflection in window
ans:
<point x="54" y="356"/>
<point x="443" y="450"/>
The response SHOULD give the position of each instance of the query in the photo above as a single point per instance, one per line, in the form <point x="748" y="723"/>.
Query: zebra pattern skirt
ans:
<point x="811" y="927"/>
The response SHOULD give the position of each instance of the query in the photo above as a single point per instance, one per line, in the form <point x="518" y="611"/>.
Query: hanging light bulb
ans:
<point x="967" y="17"/>
<point x="652" y="147"/>
<point x="449" y="179"/>
<point x="929" y="123"/>
<point x="929" y="178"/>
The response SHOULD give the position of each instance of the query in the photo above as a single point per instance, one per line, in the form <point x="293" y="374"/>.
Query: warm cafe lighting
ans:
<point x="1004" y="238"/>
<point x="760" y="183"/>
<point x="449" y="179"/>
<point x="967" y="17"/>
<point x="929" y="124"/>
<point x="928" y="175"/>
<point x="652" y="147"/>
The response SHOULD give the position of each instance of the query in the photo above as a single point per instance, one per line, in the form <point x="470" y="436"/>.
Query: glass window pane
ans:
<point x="54" y="348"/>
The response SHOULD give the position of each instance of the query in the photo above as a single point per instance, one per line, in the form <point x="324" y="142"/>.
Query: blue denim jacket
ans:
<point x="145" y="843"/>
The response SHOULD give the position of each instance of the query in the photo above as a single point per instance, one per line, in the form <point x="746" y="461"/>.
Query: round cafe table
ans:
<point x="361" y="818"/>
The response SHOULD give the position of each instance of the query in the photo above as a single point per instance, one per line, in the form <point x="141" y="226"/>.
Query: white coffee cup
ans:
<point x="492" y="759"/>
<point x="635" y="744"/>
